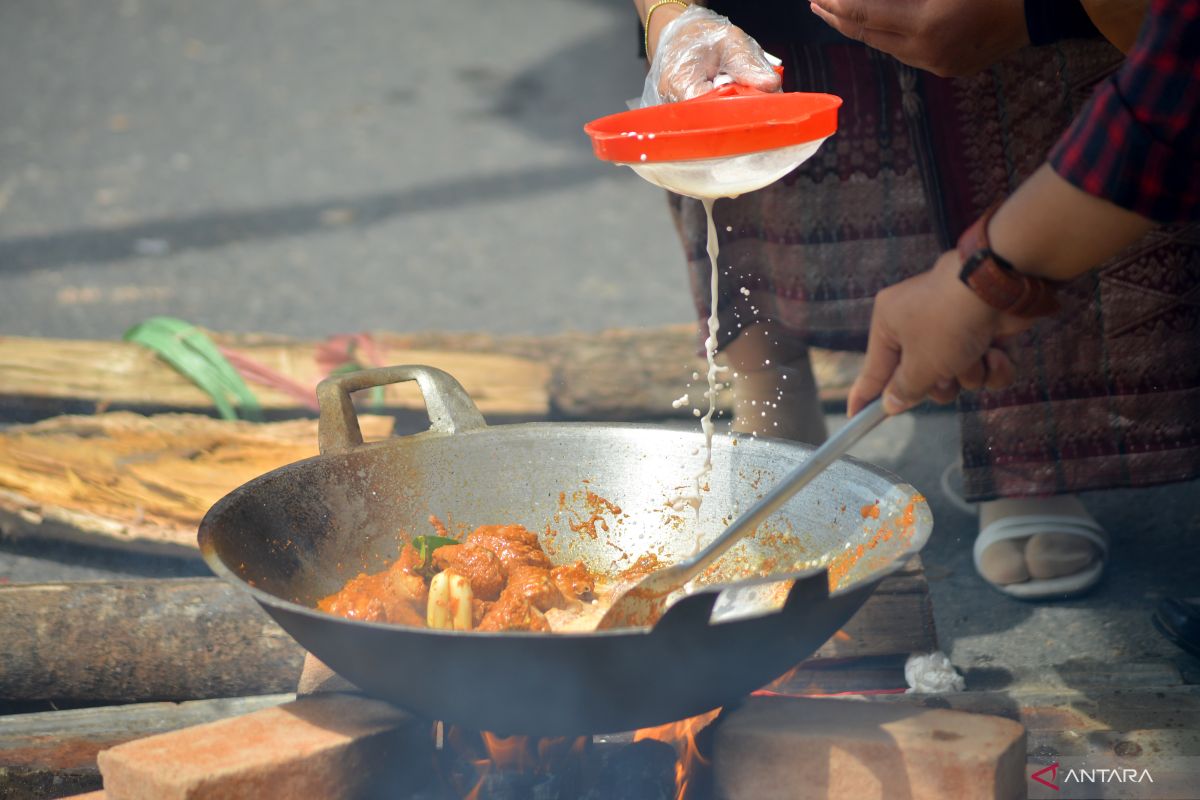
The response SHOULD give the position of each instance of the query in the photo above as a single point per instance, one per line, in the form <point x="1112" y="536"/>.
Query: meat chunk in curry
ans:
<point x="536" y="586"/>
<point x="574" y="581"/>
<point x="513" y="612"/>
<point x="514" y="544"/>
<point x="479" y="565"/>
<point x="393" y="595"/>
<point x="500" y="570"/>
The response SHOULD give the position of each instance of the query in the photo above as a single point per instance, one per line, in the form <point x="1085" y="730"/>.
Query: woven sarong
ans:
<point x="1108" y="393"/>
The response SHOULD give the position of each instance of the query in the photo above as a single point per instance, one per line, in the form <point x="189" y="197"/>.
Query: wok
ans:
<point x="297" y="533"/>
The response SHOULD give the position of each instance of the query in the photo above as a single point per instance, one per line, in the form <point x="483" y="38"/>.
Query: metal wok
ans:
<point x="299" y="532"/>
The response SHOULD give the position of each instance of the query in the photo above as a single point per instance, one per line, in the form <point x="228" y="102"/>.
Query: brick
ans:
<point x="808" y="748"/>
<point x="328" y="746"/>
<point x="316" y="678"/>
<point x="48" y="753"/>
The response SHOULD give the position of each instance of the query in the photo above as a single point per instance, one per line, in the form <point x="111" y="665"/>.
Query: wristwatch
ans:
<point x="996" y="281"/>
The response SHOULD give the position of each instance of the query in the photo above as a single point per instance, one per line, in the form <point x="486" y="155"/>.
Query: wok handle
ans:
<point x="449" y="407"/>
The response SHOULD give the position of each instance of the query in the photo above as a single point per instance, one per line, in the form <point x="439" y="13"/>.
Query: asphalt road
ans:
<point x="318" y="166"/>
<point x="322" y="166"/>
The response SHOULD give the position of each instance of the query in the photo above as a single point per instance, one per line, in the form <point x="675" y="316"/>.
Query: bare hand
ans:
<point x="694" y="49"/>
<point x="930" y="337"/>
<point x="945" y="37"/>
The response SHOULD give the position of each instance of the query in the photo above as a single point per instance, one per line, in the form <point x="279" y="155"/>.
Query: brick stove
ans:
<point x="336" y="744"/>
<point x="332" y="743"/>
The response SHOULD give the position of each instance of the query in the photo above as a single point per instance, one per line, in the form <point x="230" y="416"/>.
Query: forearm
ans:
<point x="1051" y="229"/>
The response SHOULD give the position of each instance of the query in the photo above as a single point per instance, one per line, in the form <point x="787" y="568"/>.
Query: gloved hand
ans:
<point x="694" y="49"/>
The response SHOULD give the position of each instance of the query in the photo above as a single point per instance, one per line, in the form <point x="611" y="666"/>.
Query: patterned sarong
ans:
<point x="1108" y="392"/>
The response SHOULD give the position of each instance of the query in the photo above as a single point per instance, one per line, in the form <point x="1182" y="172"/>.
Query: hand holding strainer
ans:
<point x="731" y="140"/>
<point x="699" y="50"/>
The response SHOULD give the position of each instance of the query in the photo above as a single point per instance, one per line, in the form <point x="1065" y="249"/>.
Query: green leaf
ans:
<point x="186" y="348"/>
<point x="425" y="545"/>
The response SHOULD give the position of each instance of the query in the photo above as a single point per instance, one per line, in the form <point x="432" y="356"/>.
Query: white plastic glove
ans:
<point x="694" y="49"/>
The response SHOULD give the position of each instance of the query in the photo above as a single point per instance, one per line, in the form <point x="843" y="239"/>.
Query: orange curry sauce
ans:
<point x="511" y="579"/>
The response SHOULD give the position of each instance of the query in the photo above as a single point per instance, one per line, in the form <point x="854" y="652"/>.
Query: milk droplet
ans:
<point x="745" y="292"/>
<point x="643" y="156"/>
<point x="679" y="402"/>
<point x="729" y="229"/>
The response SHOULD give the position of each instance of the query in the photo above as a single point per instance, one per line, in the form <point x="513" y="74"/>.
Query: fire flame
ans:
<point x="682" y="736"/>
<point x="522" y="754"/>
<point x="547" y="756"/>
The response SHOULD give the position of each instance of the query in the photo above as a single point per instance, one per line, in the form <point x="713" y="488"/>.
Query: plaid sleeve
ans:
<point x="1137" y="141"/>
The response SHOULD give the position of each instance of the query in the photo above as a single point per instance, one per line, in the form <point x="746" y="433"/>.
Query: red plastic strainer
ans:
<point x="732" y="140"/>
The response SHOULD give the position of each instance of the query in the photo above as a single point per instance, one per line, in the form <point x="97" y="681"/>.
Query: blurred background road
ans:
<point x="310" y="167"/>
<point x="320" y="166"/>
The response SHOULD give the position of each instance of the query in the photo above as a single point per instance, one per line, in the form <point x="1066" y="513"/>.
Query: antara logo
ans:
<point x="1053" y="770"/>
<point x="1093" y="776"/>
<point x="1126" y="775"/>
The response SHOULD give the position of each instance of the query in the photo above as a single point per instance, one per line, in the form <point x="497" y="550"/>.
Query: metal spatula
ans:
<point x="646" y="601"/>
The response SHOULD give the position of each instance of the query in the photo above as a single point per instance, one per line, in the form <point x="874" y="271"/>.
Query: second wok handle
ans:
<point x="449" y="407"/>
<point x="834" y="448"/>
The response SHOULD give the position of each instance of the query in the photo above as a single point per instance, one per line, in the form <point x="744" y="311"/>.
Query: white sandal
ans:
<point x="1023" y="526"/>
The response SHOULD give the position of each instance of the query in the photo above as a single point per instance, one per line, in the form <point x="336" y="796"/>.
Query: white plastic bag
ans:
<point x="932" y="673"/>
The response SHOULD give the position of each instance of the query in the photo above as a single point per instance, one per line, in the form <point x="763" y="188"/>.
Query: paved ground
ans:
<point x="323" y="165"/>
<point x="319" y="166"/>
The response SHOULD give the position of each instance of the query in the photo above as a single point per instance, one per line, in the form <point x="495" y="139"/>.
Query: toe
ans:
<point x="1053" y="555"/>
<point x="1004" y="562"/>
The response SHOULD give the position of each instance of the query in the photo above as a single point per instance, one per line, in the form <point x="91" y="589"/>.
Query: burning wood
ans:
<point x="484" y="766"/>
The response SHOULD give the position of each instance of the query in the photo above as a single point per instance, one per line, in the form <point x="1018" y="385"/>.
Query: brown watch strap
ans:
<point x="995" y="280"/>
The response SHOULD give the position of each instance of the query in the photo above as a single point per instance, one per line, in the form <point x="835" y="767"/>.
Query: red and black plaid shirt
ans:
<point x="1137" y="141"/>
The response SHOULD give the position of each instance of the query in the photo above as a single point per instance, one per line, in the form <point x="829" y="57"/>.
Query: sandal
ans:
<point x="1030" y="534"/>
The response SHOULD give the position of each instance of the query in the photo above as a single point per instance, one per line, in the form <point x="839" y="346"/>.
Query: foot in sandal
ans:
<point x="1037" y="548"/>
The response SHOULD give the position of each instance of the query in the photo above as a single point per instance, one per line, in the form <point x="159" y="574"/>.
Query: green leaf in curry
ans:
<point x="425" y="545"/>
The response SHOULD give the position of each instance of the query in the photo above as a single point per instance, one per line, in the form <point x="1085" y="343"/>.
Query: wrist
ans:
<point x="659" y="15"/>
<point x="948" y="268"/>
<point x="995" y="279"/>
<point x="1029" y="249"/>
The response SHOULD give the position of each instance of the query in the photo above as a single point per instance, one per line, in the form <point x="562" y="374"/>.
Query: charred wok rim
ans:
<point x="923" y="529"/>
